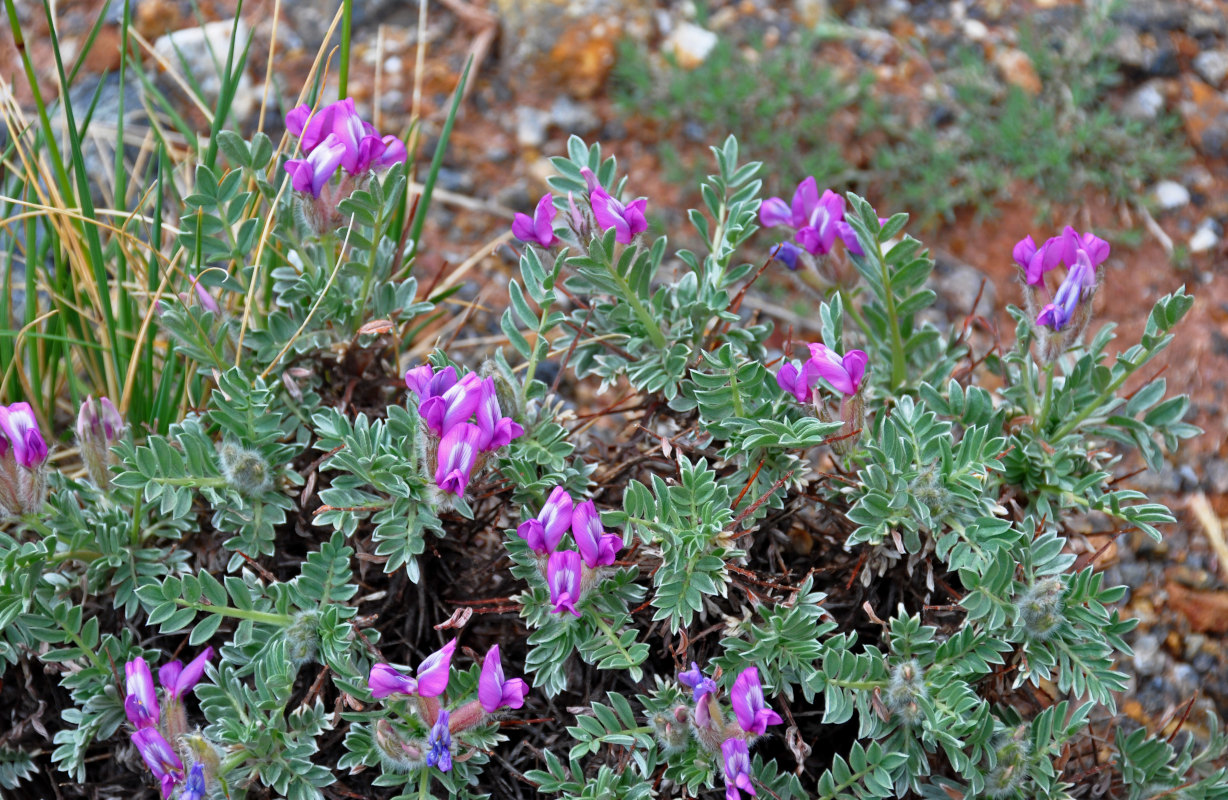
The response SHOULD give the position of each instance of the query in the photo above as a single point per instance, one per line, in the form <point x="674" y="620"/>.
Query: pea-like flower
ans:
<point x="628" y="220"/>
<point x="160" y="758"/>
<point x="563" y="577"/>
<point x="1072" y="242"/>
<point x="597" y="548"/>
<point x="194" y="786"/>
<point x="497" y="430"/>
<point x="538" y="229"/>
<point x="1036" y="261"/>
<point x="177" y="679"/>
<point x="1057" y="314"/>
<point x="544" y="533"/>
<point x="844" y="373"/>
<point x="440" y="743"/>
<point x="141" y="700"/>
<point x="736" y="756"/>
<point x="749" y="705"/>
<point x="788" y="253"/>
<point x="426" y="383"/>
<point x="19" y="431"/>
<point x="442" y="412"/>
<point x="311" y="174"/>
<point x="775" y="211"/>
<point x="496" y="692"/>
<point x="434" y="670"/>
<point x="699" y="683"/>
<point x="818" y="235"/>
<point x="458" y="452"/>
<point x="384" y="680"/>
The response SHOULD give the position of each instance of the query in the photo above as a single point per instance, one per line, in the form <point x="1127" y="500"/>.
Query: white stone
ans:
<point x="1144" y="104"/>
<point x="690" y="44"/>
<point x="1204" y="238"/>
<point x="531" y="126"/>
<point x="393" y="65"/>
<point x="1170" y="195"/>
<point x="1212" y="65"/>
<point x="976" y="30"/>
<point x="202" y="52"/>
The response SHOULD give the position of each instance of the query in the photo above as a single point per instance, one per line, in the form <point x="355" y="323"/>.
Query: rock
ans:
<point x="958" y="285"/>
<point x="1212" y="65"/>
<point x="1204" y="238"/>
<point x="1145" y="103"/>
<point x="455" y="180"/>
<point x="976" y="30"/>
<point x="1215" y="475"/>
<point x="1017" y="69"/>
<point x="1145" y="54"/>
<point x="572" y="117"/>
<point x="1207" y="612"/>
<point x="531" y="126"/>
<point x="1170" y="195"/>
<point x="582" y="57"/>
<point x="154" y="18"/>
<point x="1204" y="112"/>
<point x="690" y="44"/>
<point x="192" y="50"/>
<point x="1148" y="660"/>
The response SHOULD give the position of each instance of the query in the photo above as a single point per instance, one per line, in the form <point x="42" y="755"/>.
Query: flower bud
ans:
<point x="247" y="472"/>
<point x="1040" y="608"/>
<point x="905" y="688"/>
<point x="397" y="753"/>
<point x="99" y="427"/>
<point x="303" y="637"/>
<point x="23" y="459"/>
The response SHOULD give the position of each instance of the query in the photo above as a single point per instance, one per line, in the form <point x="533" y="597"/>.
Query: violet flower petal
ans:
<point x="384" y="681"/>
<point x="434" y="670"/>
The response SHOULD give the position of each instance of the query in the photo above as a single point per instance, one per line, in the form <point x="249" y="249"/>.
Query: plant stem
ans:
<point x="898" y="367"/>
<point x="609" y="633"/>
<point x="541" y="335"/>
<point x="654" y="330"/>
<point x="424" y="784"/>
<point x="1039" y="422"/>
<point x="239" y="613"/>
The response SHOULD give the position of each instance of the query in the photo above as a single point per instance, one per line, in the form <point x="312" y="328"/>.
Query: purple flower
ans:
<point x="424" y="382"/>
<point x="700" y="684"/>
<point x="440" y="742"/>
<point x="1036" y="261"/>
<point x="141" y="702"/>
<point x="775" y="211"/>
<point x="458" y="451"/>
<point x="493" y="691"/>
<point x="160" y="757"/>
<point x="538" y="229"/>
<point x="627" y="220"/>
<point x="364" y="148"/>
<point x="737" y="768"/>
<point x="563" y="578"/>
<point x="1097" y="249"/>
<point x="19" y="427"/>
<point x="849" y="236"/>
<point x="819" y="233"/>
<point x="597" y="548"/>
<point x="207" y="300"/>
<point x="99" y="420"/>
<point x="788" y="253"/>
<point x="434" y="670"/>
<point x="748" y="704"/>
<point x="384" y="680"/>
<point x="177" y="680"/>
<point x="798" y="381"/>
<point x="497" y="430"/>
<point x="844" y="373"/>
<point x="444" y="411"/>
<point x="194" y="787"/>
<point x="543" y="534"/>
<point x="1055" y="315"/>
<point x="310" y="174"/>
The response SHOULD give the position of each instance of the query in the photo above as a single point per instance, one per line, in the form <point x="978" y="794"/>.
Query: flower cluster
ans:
<point x="23" y="457"/>
<point x="1081" y="253"/>
<point x="336" y="137"/>
<point x="495" y="692"/>
<point x="817" y="219"/>
<point x="844" y="374"/>
<point x="159" y="725"/>
<point x="606" y="211"/>
<point x="446" y="403"/>
<point x="569" y="572"/>
<point x="731" y="739"/>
